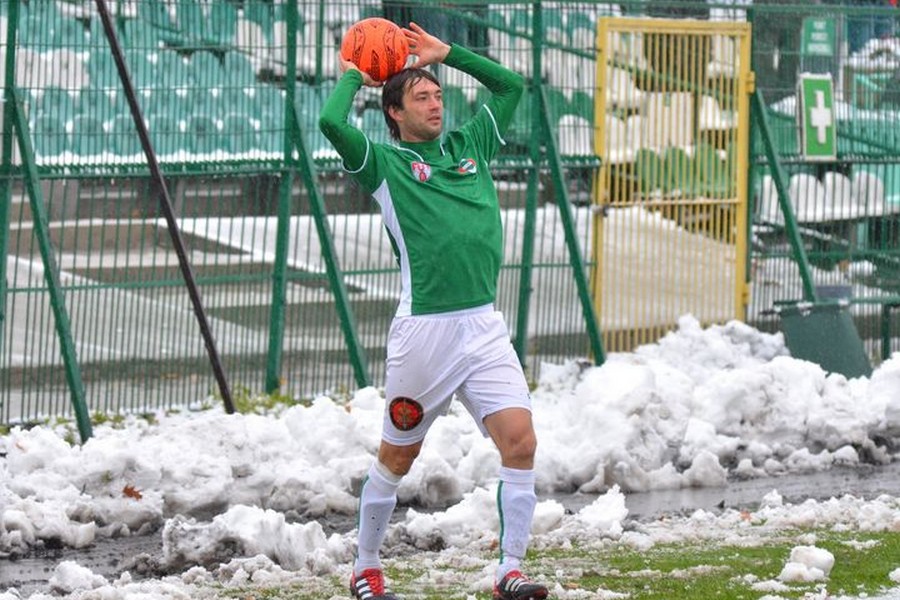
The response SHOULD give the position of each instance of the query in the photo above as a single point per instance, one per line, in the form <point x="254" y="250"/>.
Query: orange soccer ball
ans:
<point x="376" y="46"/>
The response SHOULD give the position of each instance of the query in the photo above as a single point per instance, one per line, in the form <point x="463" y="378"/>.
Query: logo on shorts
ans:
<point x="405" y="413"/>
<point x="467" y="165"/>
<point x="421" y="171"/>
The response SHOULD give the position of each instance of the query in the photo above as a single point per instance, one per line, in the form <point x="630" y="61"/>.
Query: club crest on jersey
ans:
<point x="467" y="165"/>
<point x="421" y="171"/>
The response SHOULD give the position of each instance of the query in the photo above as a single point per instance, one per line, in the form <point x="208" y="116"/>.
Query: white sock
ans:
<point x="515" y="501"/>
<point x="376" y="505"/>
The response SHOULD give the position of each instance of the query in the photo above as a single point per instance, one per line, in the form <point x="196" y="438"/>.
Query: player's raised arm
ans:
<point x="349" y="141"/>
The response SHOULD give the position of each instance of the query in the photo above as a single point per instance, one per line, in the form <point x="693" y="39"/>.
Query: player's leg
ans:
<point x="377" y="501"/>
<point x="422" y="372"/>
<point x="496" y="393"/>
<point x="512" y="431"/>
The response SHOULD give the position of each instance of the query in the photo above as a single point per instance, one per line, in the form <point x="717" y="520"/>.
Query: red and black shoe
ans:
<point x="369" y="585"/>
<point x="516" y="586"/>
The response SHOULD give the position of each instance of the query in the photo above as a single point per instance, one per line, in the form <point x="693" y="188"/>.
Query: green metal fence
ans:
<point x="845" y="204"/>
<point x="294" y="272"/>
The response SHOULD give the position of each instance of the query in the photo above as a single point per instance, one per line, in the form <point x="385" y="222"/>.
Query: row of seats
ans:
<point x="186" y="23"/>
<point x="227" y="131"/>
<point x="698" y="171"/>
<point x="664" y="121"/>
<point x="86" y="137"/>
<point x="836" y="197"/>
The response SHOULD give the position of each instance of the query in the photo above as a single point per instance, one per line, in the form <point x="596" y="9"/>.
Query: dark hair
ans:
<point x="395" y="86"/>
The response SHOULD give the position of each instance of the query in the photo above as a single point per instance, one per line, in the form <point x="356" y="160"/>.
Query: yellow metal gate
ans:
<point x="672" y="126"/>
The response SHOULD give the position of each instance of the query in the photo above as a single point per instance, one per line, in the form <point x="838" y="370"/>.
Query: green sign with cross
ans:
<point x="815" y="115"/>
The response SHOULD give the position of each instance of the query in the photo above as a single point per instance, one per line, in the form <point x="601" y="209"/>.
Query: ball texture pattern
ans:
<point x="376" y="46"/>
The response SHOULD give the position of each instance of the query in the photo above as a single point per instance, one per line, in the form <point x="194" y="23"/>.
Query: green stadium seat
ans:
<point x="712" y="171"/>
<point x="123" y="136"/>
<point x="647" y="170"/>
<point x="222" y="24"/>
<point x="60" y="102"/>
<point x="88" y="137"/>
<point x="678" y="172"/>
<point x="270" y="102"/>
<point x="205" y="70"/>
<point x="238" y="68"/>
<point x="203" y="134"/>
<point x="552" y="18"/>
<point x="49" y="135"/>
<point x="271" y="136"/>
<point x="582" y="104"/>
<point x="99" y="103"/>
<point x="308" y="100"/>
<point x="261" y="14"/>
<point x="155" y="13"/>
<point x="239" y="135"/>
<point x="165" y="134"/>
<point x="172" y="69"/>
<point x="141" y="68"/>
<point x="135" y="33"/>
<point x="576" y="19"/>
<point x="191" y="23"/>
<point x="174" y="104"/>
<point x="204" y="100"/>
<point x="557" y="103"/>
<point x="234" y="98"/>
<point x="101" y="69"/>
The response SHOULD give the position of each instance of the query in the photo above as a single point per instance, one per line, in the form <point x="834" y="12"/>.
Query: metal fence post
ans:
<point x="784" y="202"/>
<point x="575" y="255"/>
<point x="531" y="199"/>
<point x="51" y="272"/>
<point x="282" y="236"/>
<point x="6" y="139"/>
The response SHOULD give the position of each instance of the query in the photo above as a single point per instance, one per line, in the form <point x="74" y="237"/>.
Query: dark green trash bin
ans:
<point x="824" y="333"/>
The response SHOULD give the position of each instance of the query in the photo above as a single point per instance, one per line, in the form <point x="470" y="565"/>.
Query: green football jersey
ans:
<point x="438" y="200"/>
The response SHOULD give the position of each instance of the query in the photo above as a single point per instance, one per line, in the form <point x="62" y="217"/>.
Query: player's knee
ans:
<point x="398" y="459"/>
<point x="519" y="448"/>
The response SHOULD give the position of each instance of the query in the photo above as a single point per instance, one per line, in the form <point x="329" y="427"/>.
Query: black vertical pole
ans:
<point x="166" y="203"/>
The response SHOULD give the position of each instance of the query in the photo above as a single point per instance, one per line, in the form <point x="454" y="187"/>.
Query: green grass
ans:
<point x="695" y="571"/>
<point x="709" y="570"/>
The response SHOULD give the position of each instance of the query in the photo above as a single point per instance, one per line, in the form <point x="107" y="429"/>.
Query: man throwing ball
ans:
<point x="439" y="206"/>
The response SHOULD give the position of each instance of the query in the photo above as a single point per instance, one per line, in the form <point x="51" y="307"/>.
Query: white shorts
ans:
<point x="431" y="357"/>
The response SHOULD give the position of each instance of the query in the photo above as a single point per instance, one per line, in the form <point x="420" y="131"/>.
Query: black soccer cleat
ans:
<point x="370" y="586"/>
<point x="516" y="586"/>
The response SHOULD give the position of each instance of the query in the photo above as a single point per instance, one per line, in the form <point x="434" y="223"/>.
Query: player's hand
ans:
<point x="346" y="65"/>
<point x="427" y="48"/>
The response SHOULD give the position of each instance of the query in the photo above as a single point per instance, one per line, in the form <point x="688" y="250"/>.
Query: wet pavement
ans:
<point x="138" y="555"/>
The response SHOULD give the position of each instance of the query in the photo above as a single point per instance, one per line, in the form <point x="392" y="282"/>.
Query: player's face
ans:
<point x="422" y="116"/>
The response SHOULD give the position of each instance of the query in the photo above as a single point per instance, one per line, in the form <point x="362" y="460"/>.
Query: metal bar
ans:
<point x="531" y="200"/>
<point x="307" y="169"/>
<point x="746" y="85"/>
<point x="51" y="272"/>
<point x="886" y="329"/>
<point x="275" y="359"/>
<point x="6" y="139"/>
<point x="329" y="254"/>
<point x="166" y="204"/>
<point x="780" y="179"/>
<point x="568" y="222"/>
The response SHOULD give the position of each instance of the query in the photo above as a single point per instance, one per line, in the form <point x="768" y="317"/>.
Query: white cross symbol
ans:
<point x="820" y="117"/>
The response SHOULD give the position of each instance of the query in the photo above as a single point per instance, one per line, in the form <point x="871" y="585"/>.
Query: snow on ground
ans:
<point x="240" y="498"/>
